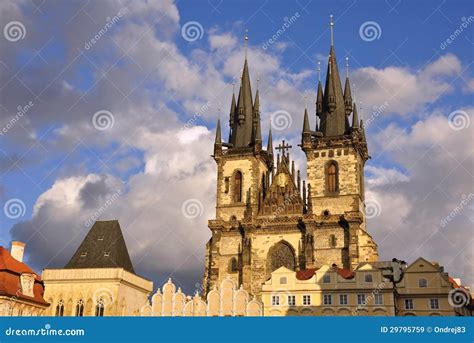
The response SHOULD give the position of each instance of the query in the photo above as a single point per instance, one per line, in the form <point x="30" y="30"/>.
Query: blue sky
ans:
<point x="152" y="80"/>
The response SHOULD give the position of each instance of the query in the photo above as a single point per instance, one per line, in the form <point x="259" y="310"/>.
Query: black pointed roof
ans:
<point x="103" y="247"/>
<point x="242" y="128"/>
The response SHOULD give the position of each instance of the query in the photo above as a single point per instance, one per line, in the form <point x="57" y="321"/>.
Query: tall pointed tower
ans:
<point x="336" y="154"/>
<point x="259" y="208"/>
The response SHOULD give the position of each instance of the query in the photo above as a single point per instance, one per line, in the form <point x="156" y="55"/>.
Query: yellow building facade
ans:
<point x="99" y="280"/>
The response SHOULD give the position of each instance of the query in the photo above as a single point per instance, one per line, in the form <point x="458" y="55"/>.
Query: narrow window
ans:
<point x="238" y="187"/>
<point x="226" y="185"/>
<point x="332" y="241"/>
<point x="434" y="304"/>
<point x="378" y="299"/>
<point x="233" y="266"/>
<point x="332" y="177"/>
<point x="99" y="308"/>
<point x="409" y="304"/>
<point x="306" y="300"/>
<point x="80" y="308"/>
<point x="361" y="299"/>
<point x="60" y="308"/>
<point x="327" y="299"/>
<point x="291" y="300"/>
<point x="342" y="299"/>
<point x="275" y="300"/>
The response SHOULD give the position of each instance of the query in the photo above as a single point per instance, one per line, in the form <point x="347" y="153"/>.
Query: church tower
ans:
<point x="336" y="153"/>
<point x="266" y="215"/>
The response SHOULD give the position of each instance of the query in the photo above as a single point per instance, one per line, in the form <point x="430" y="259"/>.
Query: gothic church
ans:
<point x="266" y="216"/>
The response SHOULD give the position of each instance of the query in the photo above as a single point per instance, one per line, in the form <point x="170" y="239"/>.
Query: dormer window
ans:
<point x="107" y="253"/>
<point x="101" y="238"/>
<point x="368" y="278"/>
<point x="84" y="254"/>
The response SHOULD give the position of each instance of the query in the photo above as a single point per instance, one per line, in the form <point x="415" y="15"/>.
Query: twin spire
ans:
<point x="334" y="105"/>
<point x="244" y="116"/>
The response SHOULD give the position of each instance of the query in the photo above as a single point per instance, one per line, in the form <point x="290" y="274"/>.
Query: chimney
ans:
<point x="17" y="251"/>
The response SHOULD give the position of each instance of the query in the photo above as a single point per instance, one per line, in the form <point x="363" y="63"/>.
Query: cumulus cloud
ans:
<point x="436" y="180"/>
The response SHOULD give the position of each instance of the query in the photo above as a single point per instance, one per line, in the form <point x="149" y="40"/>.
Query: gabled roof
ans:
<point x="10" y="284"/>
<point x="103" y="247"/>
<point x="427" y="266"/>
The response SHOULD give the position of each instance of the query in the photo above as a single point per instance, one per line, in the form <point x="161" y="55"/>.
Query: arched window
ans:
<point x="233" y="265"/>
<point x="60" y="308"/>
<point x="99" y="308"/>
<point x="238" y="187"/>
<point x="332" y="241"/>
<point x="80" y="308"/>
<point x="280" y="255"/>
<point x="332" y="177"/>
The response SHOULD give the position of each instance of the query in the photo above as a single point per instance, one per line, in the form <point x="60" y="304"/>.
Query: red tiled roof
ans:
<point x="345" y="273"/>
<point x="305" y="274"/>
<point x="10" y="271"/>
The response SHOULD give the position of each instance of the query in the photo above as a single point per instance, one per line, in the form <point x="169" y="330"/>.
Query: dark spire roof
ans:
<point x="103" y="247"/>
<point x="242" y="127"/>
<point x="319" y="99"/>
<point x="333" y="119"/>
<point x="355" y="118"/>
<point x="270" y="141"/>
<point x="233" y="110"/>
<point x="256" y="110"/>
<point x="218" y="132"/>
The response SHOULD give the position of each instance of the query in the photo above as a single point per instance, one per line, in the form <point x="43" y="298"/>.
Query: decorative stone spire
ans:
<point x="306" y="128"/>
<point x="355" y="118"/>
<point x="347" y="91"/>
<point x="319" y="97"/>
<point x="270" y="141"/>
<point x="218" y="139"/>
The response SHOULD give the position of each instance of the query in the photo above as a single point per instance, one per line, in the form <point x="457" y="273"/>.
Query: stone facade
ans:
<point x="82" y="292"/>
<point x="267" y="216"/>
<point x="226" y="301"/>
